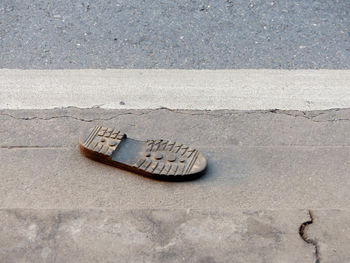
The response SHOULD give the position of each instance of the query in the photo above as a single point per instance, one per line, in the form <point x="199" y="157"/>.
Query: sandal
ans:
<point x="158" y="159"/>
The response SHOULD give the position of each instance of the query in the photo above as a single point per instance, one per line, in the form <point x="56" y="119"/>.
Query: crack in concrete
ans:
<point x="184" y="112"/>
<point x="307" y="239"/>
<point x="70" y="116"/>
<point x="305" y="116"/>
<point x="106" y="119"/>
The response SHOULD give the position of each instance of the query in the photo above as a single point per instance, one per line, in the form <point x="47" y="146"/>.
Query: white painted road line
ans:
<point x="176" y="89"/>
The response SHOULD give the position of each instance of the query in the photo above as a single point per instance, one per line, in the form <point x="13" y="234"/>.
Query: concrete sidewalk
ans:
<point x="266" y="170"/>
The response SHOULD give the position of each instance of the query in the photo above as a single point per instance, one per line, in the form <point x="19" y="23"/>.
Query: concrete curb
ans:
<point x="176" y="89"/>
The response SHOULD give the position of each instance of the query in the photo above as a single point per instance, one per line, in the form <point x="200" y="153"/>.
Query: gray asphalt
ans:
<point x="284" y="34"/>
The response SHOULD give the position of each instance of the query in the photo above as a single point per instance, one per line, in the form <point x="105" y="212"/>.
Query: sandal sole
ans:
<point x="157" y="159"/>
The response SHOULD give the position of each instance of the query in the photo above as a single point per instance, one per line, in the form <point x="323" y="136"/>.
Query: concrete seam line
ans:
<point x="248" y="89"/>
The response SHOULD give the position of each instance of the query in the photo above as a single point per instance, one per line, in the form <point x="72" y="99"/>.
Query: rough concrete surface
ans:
<point x="151" y="235"/>
<point x="198" y="34"/>
<point x="256" y="159"/>
<point x="266" y="170"/>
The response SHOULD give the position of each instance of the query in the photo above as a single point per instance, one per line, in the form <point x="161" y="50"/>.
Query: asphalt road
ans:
<point x="218" y="34"/>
